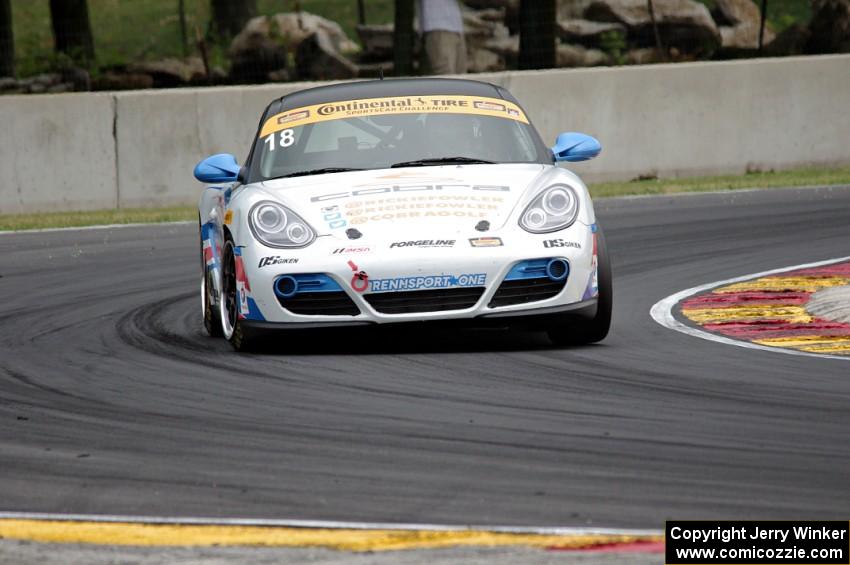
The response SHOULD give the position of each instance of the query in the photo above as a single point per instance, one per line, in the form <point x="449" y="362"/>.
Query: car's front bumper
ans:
<point x="385" y="266"/>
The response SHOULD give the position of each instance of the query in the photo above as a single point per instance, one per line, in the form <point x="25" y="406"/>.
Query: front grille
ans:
<point x="437" y="300"/>
<point x="335" y="303"/>
<point x="523" y="291"/>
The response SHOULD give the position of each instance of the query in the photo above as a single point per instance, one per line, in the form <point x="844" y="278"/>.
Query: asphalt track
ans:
<point x="112" y="401"/>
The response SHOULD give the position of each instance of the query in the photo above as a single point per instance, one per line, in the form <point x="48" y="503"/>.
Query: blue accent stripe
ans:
<point x="314" y="282"/>
<point x="593" y="228"/>
<point x="531" y="269"/>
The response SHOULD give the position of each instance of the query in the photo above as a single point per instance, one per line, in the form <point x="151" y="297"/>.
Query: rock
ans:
<point x="36" y="88"/>
<point x="477" y="31"/>
<point x="377" y="41"/>
<point x="733" y="12"/>
<point x="289" y="29"/>
<point x="484" y="4"/>
<point x="643" y="56"/>
<point x="743" y="38"/>
<point x="8" y="83"/>
<point x="492" y="15"/>
<point x="829" y="27"/>
<point x="60" y="88"/>
<point x="317" y="59"/>
<point x="79" y="78"/>
<point x="484" y="60"/>
<point x="112" y="80"/>
<point x="169" y="73"/>
<point x="506" y="47"/>
<point x="586" y="32"/>
<point x="254" y="53"/>
<point x="578" y="56"/>
<point x="572" y="9"/>
<point x="46" y="79"/>
<point x="280" y="75"/>
<point x="684" y="24"/>
<point x="791" y="41"/>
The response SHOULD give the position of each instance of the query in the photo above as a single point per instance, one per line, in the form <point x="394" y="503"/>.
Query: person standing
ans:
<point x="441" y="22"/>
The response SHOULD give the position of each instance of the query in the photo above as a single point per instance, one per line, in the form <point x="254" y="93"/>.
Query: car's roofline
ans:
<point x="385" y="88"/>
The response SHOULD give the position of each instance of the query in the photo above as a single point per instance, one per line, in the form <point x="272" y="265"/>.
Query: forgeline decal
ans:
<point x="361" y="108"/>
<point x="772" y="310"/>
<point x="561" y="243"/>
<point x="425" y="282"/>
<point x="276" y="260"/>
<point x="424" y="243"/>
<point x="486" y="242"/>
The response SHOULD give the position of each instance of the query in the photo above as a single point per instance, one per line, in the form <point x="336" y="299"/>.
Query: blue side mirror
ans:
<point x="572" y="146"/>
<point x="218" y="168"/>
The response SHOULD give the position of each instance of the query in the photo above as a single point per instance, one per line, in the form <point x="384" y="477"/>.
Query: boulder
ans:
<point x="317" y="59"/>
<point x="643" y="56"/>
<point x="483" y="61"/>
<point x="578" y="56"/>
<point x="113" y="80"/>
<point x="791" y="41"/>
<point x="169" y="73"/>
<point x="586" y="32"/>
<point x="572" y="9"/>
<point x="8" y="83"/>
<point x="684" y="24"/>
<point x="377" y="40"/>
<point x="733" y="12"/>
<point x="829" y="27"/>
<point x="477" y="30"/>
<point x="289" y="29"/>
<point x="743" y="38"/>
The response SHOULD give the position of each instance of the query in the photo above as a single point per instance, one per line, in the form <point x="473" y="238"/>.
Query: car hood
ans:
<point x="417" y="200"/>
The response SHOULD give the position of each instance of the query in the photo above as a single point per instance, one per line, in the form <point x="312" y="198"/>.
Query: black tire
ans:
<point x="232" y="327"/>
<point x="594" y="330"/>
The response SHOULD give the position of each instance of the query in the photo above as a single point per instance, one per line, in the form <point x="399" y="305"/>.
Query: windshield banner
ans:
<point x="442" y="104"/>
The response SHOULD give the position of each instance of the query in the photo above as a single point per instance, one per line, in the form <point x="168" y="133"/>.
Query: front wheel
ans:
<point x="231" y="325"/>
<point x="595" y="329"/>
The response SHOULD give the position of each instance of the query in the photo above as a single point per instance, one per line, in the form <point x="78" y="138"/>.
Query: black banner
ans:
<point x="757" y="543"/>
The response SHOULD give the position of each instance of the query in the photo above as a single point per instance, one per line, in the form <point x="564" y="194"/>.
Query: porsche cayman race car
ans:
<point x="406" y="200"/>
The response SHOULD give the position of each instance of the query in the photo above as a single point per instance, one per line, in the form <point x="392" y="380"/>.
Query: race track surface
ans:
<point x="113" y="401"/>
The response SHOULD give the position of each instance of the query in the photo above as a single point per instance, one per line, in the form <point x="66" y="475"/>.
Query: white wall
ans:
<point x="669" y="120"/>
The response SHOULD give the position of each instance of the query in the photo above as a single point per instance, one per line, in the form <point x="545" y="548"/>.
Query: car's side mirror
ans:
<point x="573" y="146"/>
<point x="218" y="168"/>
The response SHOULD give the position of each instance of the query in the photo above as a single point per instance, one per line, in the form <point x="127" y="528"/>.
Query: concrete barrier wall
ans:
<point x="57" y="152"/>
<point x="86" y="151"/>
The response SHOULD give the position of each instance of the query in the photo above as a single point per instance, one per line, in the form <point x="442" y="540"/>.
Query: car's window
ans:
<point x="383" y="132"/>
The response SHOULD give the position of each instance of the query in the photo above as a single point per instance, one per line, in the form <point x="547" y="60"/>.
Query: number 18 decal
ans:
<point x="287" y="138"/>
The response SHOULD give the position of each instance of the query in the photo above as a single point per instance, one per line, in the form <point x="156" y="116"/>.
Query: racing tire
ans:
<point x="232" y="327"/>
<point x="595" y="329"/>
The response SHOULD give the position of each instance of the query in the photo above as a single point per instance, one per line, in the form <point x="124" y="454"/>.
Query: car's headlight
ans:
<point x="277" y="226"/>
<point x="553" y="209"/>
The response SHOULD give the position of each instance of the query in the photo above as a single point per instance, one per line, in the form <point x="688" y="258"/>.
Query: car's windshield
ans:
<point x="378" y="133"/>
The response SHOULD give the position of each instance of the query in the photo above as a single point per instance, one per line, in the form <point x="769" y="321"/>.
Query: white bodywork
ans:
<point x="398" y="206"/>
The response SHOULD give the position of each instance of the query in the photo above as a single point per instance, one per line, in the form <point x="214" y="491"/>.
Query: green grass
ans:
<point x="14" y="222"/>
<point x="798" y="177"/>
<point x="133" y="30"/>
<point x="771" y="179"/>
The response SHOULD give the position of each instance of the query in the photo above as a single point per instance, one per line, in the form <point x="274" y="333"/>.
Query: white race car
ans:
<point x="405" y="200"/>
